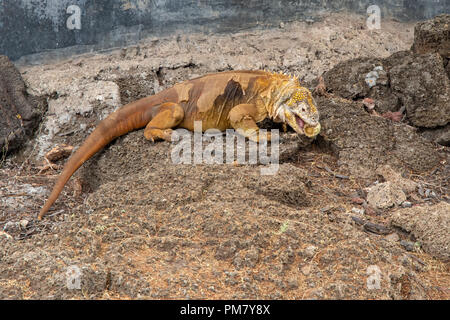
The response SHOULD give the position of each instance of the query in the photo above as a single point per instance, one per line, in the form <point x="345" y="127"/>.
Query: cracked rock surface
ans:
<point x="20" y="113"/>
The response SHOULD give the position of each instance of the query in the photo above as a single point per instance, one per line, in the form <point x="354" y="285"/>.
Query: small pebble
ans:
<point x="408" y="245"/>
<point x="357" y="200"/>
<point x="306" y="270"/>
<point x="24" y="223"/>
<point x="292" y="283"/>
<point x="331" y="217"/>
<point x="393" y="237"/>
<point x="2" y="233"/>
<point x="326" y="209"/>
<point x="358" y="211"/>
<point x="9" y="226"/>
<point x="421" y="191"/>
<point x="310" y="251"/>
<point x="370" y="211"/>
<point x="406" y="261"/>
<point x="406" y="204"/>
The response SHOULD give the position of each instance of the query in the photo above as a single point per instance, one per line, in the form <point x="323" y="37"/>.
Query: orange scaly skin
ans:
<point x="227" y="100"/>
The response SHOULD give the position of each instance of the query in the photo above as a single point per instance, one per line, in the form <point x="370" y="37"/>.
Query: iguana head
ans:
<point x="299" y="111"/>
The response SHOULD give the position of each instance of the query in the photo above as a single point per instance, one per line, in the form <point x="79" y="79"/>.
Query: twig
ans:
<point x="372" y="227"/>
<point x="336" y="175"/>
<point x="417" y="259"/>
<point x="15" y="195"/>
<point x="56" y="213"/>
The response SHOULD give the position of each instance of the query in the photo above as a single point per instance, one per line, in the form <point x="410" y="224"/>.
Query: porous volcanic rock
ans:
<point x="422" y="85"/>
<point x="20" y="113"/>
<point x="430" y="225"/>
<point x="417" y="82"/>
<point x="433" y="36"/>
<point x="364" y="142"/>
<point x="438" y="135"/>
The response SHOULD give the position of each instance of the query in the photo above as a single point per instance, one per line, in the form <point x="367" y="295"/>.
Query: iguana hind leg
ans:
<point x="167" y="117"/>
<point x="242" y="119"/>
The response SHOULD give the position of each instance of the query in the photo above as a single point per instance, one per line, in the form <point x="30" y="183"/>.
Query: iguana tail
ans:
<point x="128" y="118"/>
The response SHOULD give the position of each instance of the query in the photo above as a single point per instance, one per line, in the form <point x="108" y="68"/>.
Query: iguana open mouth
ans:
<point x="307" y="129"/>
<point x="300" y="122"/>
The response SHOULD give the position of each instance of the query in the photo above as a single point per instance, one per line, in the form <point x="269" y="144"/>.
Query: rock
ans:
<point x="59" y="152"/>
<point x="358" y="211"/>
<point x="430" y="225"/>
<point x="385" y="195"/>
<point x="24" y="223"/>
<point x="393" y="237"/>
<point x="20" y="113"/>
<point x="369" y="211"/>
<point x="408" y="245"/>
<point x="251" y="258"/>
<point x="357" y="200"/>
<point x="417" y="82"/>
<point x="439" y="135"/>
<point x="10" y="226"/>
<point x="350" y="79"/>
<point x="406" y="204"/>
<point x="430" y="193"/>
<point x="77" y="99"/>
<point x="433" y="36"/>
<point x="82" y="98"/>
<point x="413" y="150"/>
<point x="310" y="251"/>
<point x="423" y="87"/>
<point x="363" y="78"/>
<point x="292" y="283"/>
<point x="4" y="234"/>
<point x="393" y="116"/>
<point x="363" y="142"/>
<point x="448" y="68"/>
<point x="306" y="270"/>
<point x="396" y="178"/>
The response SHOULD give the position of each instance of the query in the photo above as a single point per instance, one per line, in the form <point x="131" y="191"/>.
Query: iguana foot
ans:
<point x="168" y="116"/>
<point x="153" y="134"/>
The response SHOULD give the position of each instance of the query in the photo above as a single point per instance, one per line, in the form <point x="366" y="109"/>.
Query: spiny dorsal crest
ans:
<point x="289" y="76"/>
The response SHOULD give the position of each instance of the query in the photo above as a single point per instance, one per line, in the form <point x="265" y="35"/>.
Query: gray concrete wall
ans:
<point x="37" y="26"/>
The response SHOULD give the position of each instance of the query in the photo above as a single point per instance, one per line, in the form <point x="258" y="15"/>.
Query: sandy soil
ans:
<point x="135" y="225"/>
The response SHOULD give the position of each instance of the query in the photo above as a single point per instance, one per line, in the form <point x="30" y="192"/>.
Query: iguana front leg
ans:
<point x="167" y="117"/>
<point x="242" y="119"/>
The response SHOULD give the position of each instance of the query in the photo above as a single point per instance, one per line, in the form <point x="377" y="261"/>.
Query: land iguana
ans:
<point x="226" y="100"/>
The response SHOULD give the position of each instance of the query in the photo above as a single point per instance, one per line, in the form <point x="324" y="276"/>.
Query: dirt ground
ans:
<point x="134" y="225"/>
